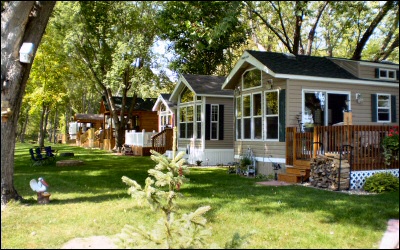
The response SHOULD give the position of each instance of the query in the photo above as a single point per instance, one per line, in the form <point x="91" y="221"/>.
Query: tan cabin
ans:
<point x="289" y="107"/>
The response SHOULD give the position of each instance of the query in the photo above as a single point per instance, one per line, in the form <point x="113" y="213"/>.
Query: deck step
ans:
<point x="290" y="178"/>
<point x="298" y="171"/>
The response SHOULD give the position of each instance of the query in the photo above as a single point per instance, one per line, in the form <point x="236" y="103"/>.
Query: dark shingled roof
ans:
<point x="88" y="117"/>
<point x="166" y="99"/>
<point x="207" y="85"/>
<point x="141" y="104"/>
<point x="282" y="63"/>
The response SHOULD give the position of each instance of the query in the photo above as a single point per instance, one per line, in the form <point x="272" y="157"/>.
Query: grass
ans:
<point x="91" y="200"/>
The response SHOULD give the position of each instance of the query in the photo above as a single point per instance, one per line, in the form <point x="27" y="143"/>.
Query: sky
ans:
<point x="162" y="57"/>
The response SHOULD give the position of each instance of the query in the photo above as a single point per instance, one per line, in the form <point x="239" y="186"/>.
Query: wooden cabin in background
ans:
<point x="143" y="118"/>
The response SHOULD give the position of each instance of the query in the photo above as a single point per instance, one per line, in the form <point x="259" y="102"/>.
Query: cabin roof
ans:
<point x="141" y="104"/>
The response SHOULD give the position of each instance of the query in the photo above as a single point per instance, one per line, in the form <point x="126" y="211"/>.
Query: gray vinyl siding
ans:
<point x="367" y="72"/>
<point x="227" y="142"/>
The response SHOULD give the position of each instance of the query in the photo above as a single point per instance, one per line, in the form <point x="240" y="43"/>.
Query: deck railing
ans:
<point x="162" y="141"/>
<point x="360" y="144"/>
<point x="142" y="139"/>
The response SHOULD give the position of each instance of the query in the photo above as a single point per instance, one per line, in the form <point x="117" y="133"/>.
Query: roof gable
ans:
<point x="201" y="85"/>
<point x="163" y="98"/>
<point x="288" y="66"/>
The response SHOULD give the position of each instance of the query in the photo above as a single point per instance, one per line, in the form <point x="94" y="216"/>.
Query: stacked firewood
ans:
<point x="324" y="172"/>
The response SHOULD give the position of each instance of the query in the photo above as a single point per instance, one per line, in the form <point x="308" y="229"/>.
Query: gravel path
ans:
<point x="93" y="242"/>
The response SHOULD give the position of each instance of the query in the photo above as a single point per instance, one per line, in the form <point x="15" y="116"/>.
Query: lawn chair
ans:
<point x="35" y="161"/>
<point x="49" y="154"/>
<point x="39" y="155"/>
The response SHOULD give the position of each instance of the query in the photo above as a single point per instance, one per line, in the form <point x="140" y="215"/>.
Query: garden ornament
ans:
<point x="40" y="187"/>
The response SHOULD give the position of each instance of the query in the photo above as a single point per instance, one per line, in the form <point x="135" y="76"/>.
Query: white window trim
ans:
<point x="389" y="108"/>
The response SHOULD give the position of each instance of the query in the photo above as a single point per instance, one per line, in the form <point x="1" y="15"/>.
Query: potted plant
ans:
<point x="198" y="162"/>
<point x="244" y="162"/>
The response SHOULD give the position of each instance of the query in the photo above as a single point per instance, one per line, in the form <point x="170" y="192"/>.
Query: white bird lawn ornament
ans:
<point x="40" y="186"/>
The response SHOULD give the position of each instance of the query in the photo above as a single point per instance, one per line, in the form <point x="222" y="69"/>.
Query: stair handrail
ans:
<point x="165" y="137"/>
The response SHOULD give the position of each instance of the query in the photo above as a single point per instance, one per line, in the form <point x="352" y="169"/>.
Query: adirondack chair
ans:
<point x="35" y="160"/>
<point x="39" y="155"/>
<point x="49" y="154"/>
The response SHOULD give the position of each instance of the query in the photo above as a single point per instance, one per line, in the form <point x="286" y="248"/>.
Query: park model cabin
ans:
<point x="204" y="119"/>
<point x="143" y="118"/>
<point x="275" y="92"/>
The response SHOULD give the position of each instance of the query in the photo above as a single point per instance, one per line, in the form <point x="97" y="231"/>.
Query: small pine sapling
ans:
<point x="160" y="193"/>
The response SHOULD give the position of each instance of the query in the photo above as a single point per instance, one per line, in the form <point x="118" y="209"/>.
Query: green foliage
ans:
<point x="198" y="162"/>
<point x="390" y="145"/>
<point x="381" y="182"/>
<point x="202" y="32"/>
<point x="160" y="193"/>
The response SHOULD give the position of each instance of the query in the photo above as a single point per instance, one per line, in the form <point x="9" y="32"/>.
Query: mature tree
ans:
<point x="20" y="22"/>
<point x="109" y="37"/>
<point x="285" y="19"/>
<point x="389" y="5"/>
<point x="202" y="33"/>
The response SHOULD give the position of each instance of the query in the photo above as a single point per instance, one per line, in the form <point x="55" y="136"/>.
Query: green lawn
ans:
<point x="91" y="200"/>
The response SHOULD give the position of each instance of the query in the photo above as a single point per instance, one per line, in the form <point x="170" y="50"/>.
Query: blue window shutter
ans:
<point x="208" y="122"/>
<point x="393" y="108"/>
<point x="221" y="122"/>
<point x="376" y="72"/>
<point x="397" y="74"/>
<point x="374" y="110"/>
<point x="282" y="112"/>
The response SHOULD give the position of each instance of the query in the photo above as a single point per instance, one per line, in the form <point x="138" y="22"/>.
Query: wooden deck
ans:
<point x="360" y="144"/>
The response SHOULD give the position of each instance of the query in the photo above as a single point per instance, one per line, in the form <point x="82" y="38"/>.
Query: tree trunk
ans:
<point x="55" y="127"/>
<point x="21" y="22"/>
<point x="23" y="130"/>
<point x="41" y="127"/>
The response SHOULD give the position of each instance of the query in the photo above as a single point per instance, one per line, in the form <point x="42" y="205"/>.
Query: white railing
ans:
<point x="142" y="139"/>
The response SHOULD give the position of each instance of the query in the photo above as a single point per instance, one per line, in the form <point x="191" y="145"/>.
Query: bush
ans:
<point x="381" y="182"/>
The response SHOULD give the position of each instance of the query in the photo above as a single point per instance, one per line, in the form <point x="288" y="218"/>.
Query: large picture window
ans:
<point x="252" y="117"/>
<point x="252" y="79"/>
<point x="186" y="122"/>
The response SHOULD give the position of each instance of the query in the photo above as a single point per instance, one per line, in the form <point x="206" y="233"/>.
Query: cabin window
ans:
<point x="252" y="79"/>
<point x="257" y="116"/>
<point x="239" y="118"/>
<point x="387" y="74"/>
<point x="198" y="120"/>
<point x="383" y="108"/>
<point x="252" y="116"/>
<point x="187" y="96"/>
<point x="214" y="121"/>
<point x="271" y="103"/>
<point x="186" y="122"/>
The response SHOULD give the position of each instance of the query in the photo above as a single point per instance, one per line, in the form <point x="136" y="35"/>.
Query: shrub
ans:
<point x="381" y="182"/>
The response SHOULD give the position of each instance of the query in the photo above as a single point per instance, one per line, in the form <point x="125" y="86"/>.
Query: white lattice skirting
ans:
<point x="358" y="177"/>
